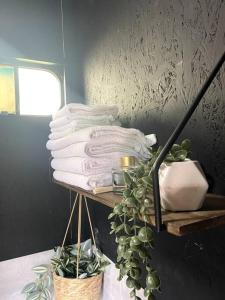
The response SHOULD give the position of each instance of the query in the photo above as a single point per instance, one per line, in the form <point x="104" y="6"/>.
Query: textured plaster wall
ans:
<point x="151" y="59"/>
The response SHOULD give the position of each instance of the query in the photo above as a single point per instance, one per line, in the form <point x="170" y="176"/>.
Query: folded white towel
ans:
<point x="105" y="147"/>
<point x="109" y="144"/>
<point x="85" y="166"/>
<point x="86" y="134"/>
<point x="60" y="123"/>
<point x="77" y="125"/>
<point x="77" y="109"/>
<point x="84" y="182"/>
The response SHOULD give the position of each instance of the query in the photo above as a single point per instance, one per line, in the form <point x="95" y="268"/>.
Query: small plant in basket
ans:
<point x="78" y="272"/>
<point x="91" y="261"/>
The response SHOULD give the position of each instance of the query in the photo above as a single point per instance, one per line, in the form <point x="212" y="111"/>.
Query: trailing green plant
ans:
<point x="135" y="241"/>
<point x="91" y="261"/>
<point x="41" y="288"/>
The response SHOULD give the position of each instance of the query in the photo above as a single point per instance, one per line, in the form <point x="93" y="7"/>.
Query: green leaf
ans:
<point x="123" y="240"/>
<point x="130" y="282"/>
<point x="118" y="209"/>
<point x="47" y="294"/>
<point x="132" y="293"/>
<point x="55" y="261"/>
<point x="34" y="295"/>
<point x="151" y="297"/>
<point x="181" y="155"/>
<point x="126" y="193"/>
<point x="61" y="273"/>
<point x="145" y="234"/>
<point x="135" y="273"/>
<point x="113" y="225"/>
<point x="29" y="288"/>
<point x="127" y="179"/>
<point x="170" y="158"/>
<point x="47" y="281"/>
<point x="147" y="180"/>
<point x="175" y="148"/>
<point x="186" y="145"/>
<point x="148" y="202"/>
<point x="152" y="281"/>
<point x="140" y="192"/>
<point x="41" y="269"/>
<point x="147" y="292"/>
<point x="127" y="229"/>
<point x="120" y="250"/>
<point x="119" y="228"/>
<point x="130" y="265"/>
<point x="82" y="276"/>
<point x="134" y="241"/>
<point x="111" y="216"/>
<point x="130" y="202"/>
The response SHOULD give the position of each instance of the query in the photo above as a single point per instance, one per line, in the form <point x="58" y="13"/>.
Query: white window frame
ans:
<point x="55" y="69"/>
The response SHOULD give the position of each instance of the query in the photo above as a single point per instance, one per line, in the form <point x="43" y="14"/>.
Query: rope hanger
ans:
<point x="81" y="198"/>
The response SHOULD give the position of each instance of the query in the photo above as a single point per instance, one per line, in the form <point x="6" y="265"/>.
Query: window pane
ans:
<point x="7" y="90"/>
<point x="39" y="92"/>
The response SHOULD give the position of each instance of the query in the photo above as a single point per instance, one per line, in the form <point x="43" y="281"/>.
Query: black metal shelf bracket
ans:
<point x="172" y="139"/>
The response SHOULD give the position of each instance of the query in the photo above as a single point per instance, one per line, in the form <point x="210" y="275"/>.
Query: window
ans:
<point x="39" y="92"/>
<point x="7" y="90"/>
<point x="33" y="91"/>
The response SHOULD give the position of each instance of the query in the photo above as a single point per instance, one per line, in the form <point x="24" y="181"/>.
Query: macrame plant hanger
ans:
<point x="79" y="227"/>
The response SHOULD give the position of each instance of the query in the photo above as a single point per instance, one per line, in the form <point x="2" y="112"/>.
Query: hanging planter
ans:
<point x="78" y="270"/>
<point x="83" y="289"/>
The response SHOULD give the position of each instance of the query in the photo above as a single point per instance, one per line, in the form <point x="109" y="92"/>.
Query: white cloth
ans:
<point x="77" y="109"/>
<point x="85" y="166"/>
<point x="77" y="125"/>
<point x="84" y="182"/>
<point x="104" y="147"/>
<point x="126" y="135"/>
<point x="59" y="124"/>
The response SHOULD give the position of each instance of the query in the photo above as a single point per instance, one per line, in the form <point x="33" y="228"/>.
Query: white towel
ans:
<point x="85" y="166"/>
<point x="104" y="147"/>
<point x="84" y="182"/>
<point x="86" y="134"/>
<point x="77" y="109"/>
<point x="60" y="123"/>
<point x="77" y="125"/>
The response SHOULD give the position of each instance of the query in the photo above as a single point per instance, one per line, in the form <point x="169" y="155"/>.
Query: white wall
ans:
<point x="16" y="273"/>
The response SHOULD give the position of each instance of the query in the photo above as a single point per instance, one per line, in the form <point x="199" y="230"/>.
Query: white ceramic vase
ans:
<point x="183" y="186"/>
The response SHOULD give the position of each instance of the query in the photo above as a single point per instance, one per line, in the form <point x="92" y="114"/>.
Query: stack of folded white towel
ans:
<point x="86" y="143"/>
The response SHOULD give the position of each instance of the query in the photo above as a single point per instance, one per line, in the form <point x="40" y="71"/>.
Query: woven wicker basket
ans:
<point x="77" y="289"/>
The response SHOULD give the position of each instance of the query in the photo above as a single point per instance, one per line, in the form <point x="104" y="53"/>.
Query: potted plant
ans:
<point x="135" y="241"/>
<point x="78" y="278"/>
<point x="63" y="272"/>
<point x="183" y="185"/>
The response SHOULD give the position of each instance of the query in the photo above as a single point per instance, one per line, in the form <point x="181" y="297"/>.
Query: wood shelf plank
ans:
<point x="211" y="215"/>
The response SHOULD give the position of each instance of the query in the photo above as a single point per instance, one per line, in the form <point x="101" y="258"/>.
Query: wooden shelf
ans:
<point x="211" y="215"/>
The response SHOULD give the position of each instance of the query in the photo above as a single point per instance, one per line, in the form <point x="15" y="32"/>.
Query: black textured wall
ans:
<point x="33" y="211"/>
<point x="150" y="57"/>
<point x="31" y="29"/>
